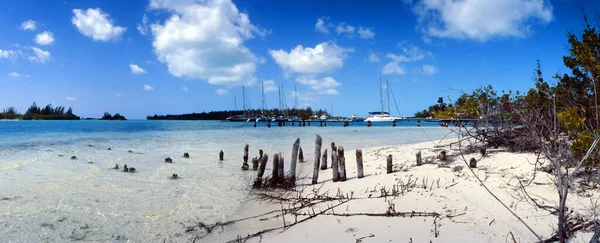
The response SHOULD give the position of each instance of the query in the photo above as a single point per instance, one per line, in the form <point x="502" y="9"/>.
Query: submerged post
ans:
<point x="359" y="164"/>
<point x="269" y="123"/>
<point x="393" y="123"/>
<point x="419" y="159"/>
<point x="261" y="171"/>
<point x="389" y="164"/>
<point x="342" y="163"/>
<point x="221" y="155"/>
<point x="295" y="148"/>
<point x="334" y="164"/>
<point x="301" y="156"/>
<point x="318" y="142"/>
<point x="368" y="123"/>
<point x="324" y="161"/>
<point x="245" y="164"/>
<point x="275" y="175"/>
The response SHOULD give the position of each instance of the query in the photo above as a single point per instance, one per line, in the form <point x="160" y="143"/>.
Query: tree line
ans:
<point x="35" y="112"/>
<point x="304" y="114"/>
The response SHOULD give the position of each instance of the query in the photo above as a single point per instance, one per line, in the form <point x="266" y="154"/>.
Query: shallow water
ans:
<point x="46" y="196"/>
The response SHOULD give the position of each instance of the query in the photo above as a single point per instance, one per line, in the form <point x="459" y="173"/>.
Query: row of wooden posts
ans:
<point x="338" y="163"/>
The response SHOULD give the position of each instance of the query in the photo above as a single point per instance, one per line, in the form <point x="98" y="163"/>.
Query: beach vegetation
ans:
<point x="10" y="113"/>
<point x="108" y="116"/>
<point x="49" y="112"/>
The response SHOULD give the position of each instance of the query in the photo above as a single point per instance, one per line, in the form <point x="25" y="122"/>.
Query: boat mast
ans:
<point x="381" y="93"/>
<point x="387" y="87"/>
<point x="295" y="97"/>
<point x="262" y="107"/>
<point x="234" y="103"/>
<point x="244" y="99"/>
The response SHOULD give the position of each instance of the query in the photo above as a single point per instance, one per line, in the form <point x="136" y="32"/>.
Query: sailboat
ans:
<point x="382" y="116"/>
<point x="239" y="118"/>
<point x="262" y="116"/>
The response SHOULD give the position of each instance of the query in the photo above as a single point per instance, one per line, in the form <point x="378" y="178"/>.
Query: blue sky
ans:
<point x="145" y="57"/>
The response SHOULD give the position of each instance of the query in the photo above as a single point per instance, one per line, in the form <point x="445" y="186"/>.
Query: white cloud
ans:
<point x="71" y="98"/>
<point x="17" y="75"/>
<point x="143" y="27"/>
<point x="343" y="28"/>
<point x="222" y="91"/>
<point x="366" y="33"/>
<point x="9" y="54"/>
<point x="184" y="89"/>
<point x="324" y="57"/>
<point x="118" y="94"/>
<point x="326" y="85"/>
<point x="321" y="26"/>
<point x="29" y="25"/>
<point x="44" y="38"/>
<point x="96" y="24"/>
<point x="429" y="69"/>
<point x="270" y="86"/>
<point x="373" y="57"/>
<point x="481" y="20"/>
<point x="135" y="69"/>
<point x="205" y="40"/>
<point x="148" y="87"/>
<point x="40" y="56"/>
<point x="393" y="68"/>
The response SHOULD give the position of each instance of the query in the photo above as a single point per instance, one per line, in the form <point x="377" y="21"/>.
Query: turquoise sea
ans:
<point x="45" y="196"/>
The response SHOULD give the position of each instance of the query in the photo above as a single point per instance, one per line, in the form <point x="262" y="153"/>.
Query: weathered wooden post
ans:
<point x="293" y="123"/>
<point x="221" y="155"/>
<point x="295" y="148"/>
<point x="473" y="163"/>
<point x="321" y="123"/>
<point x="260" y="153"/>
<point x="335" y="169"/>
<point x="324" y="161"/>
<point x="368" y="123"/>
<point x="359" y="164"/>
<point x="245" y="164"/>
<point x="261" y="171"/>
<point x="186" y="155"/>
<point x="254" y="123"/>
<point x="393" y="123"/>
<point x="325" y="123"/>
<point x="389" y="164"/>
<point x="418" y="123"/>
<point x="269" y="123"/>
<point x="318" y="142"/>
<point x="443" y="155"/>
<point x="280" y="169"/>
<point x="419" y="159"/>
<point x="342" y="163"/>
<point x="275" y="175"/>
<point x="301" y="156"/>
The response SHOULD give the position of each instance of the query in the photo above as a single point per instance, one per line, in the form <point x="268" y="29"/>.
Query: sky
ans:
<point x="146" y="57"/>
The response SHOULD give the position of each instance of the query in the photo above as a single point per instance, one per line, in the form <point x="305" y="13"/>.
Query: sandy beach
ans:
<point x="445" y="200"/>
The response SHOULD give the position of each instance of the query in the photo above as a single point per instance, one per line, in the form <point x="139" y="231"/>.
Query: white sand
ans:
<point x="480" y="218"/>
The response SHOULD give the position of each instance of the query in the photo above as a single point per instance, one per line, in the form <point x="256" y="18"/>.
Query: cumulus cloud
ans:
<point x="205" y="40"/>
<point x="393" y="68"/>
<point x="270" y="86"/>
<point x="17" y="75"/>
<point x="321" y="26"/>
<point x="29" y="25"/>
<point x="44" y="38"/>
<point x="143" y="27"/>
<point x="481" y="20"/>
<point x="39" y="55"/>
<point x="373" y="58"/>
<point x="366" y="33"/>
<point x="96" y="24"/>
<point x="324" y="57"/>
<point x="135" y="69"/>
<point x="33" y="54"/>
<point x="71" y="98"/>
<point x="184" y="89"/>
<point x="222" y="91"/>
<point x="148" y="87"/>
<point x="410" y="53"/>
<point x="325" y="85"/>
<point x="429" y="69"/>
<point x="343" y="28"/>
<point x="9" y="54"/>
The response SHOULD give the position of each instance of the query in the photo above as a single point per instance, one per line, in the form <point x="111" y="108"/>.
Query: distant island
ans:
<point x="117" y="116"/>
<point x="38" y="113"/>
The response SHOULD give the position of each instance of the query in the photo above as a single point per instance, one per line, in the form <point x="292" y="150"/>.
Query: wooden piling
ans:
<point x="419" y="159"/>
<point x="418" y="123"/>
<point x="442" y="155"/>
<point x="261" y="171"/>
<point x="318" y="142"/>
<point x="321" y="123"/>
<point x="245" y="164"/>
<point x="254" y="123"/>
<point x="393" y="123"/>
<point x="269" y="123"/>
<point x="275" y="175"/>
<point x="325" y="123"/>
<point x="295" y="147"/>
<point x="335" y="169"/>
<point x="221" y="155"/>
<point x="359" y="164"/>
<point x="473" y="163"/>
<point x="368" y="123"/>
<point x="280" y="169"/>
<point x="186" y="155"/>
<point x="324" y="161"/>
<point x="390" y="165"/>
<point x="301" y="156"/>
<point x="342" y="163"/>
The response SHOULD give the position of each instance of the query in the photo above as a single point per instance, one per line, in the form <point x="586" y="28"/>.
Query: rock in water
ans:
<point x="169" y="160"/>
<point x="186" y="155"/>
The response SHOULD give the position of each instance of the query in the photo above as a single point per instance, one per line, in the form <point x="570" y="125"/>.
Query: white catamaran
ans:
<point x="382" y="116"/>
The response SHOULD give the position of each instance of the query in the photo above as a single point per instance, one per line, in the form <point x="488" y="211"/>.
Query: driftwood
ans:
<point x="275" y="175"/>
<point x="261" y="171"/>
<point x="342" y="163"/>
<point x="324" y="161"/>
<point x="318" y="142"/>
<point x="359" y="164"/>
<point x="292" y="174"/>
